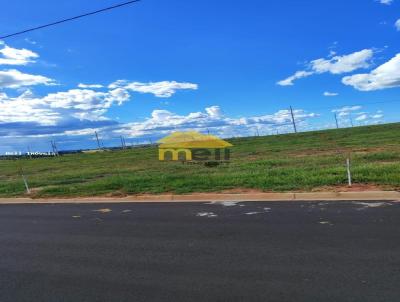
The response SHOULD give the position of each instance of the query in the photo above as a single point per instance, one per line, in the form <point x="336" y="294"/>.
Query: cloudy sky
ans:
<point x="229" y="68"/>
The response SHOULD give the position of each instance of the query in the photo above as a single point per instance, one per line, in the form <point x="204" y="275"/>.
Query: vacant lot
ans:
<point x="293" y="162"/>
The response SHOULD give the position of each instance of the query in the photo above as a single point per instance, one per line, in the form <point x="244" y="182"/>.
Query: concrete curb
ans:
<point x="325" y="196"/>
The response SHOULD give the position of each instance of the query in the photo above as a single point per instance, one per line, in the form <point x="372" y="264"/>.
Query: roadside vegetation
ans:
<point x="311" y="161"/>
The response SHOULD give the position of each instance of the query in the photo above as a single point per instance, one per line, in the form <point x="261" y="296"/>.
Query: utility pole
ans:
<point x="336" y="120"/>
<point x="54" y="146"/>
<point x="293" y="120"/>
<point x="258" y="133"/>
<point x="97" y="139"/>
<point x="123" y="145"/>
<point x="351" y="120"/>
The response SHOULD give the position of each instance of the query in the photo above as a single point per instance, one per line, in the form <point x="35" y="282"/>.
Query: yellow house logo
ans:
<point x="193" y="146"/>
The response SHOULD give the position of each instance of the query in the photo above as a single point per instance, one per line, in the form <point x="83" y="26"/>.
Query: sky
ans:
<point x="230" y="68"/>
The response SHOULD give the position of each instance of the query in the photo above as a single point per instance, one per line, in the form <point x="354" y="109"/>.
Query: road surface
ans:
<point x="257" y="251"/>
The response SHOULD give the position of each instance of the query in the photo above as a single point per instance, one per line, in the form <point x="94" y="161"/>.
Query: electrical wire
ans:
<point x="69" y="19"/>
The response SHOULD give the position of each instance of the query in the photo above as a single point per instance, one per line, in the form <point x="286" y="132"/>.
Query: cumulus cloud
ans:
<point x="90" y="86"/>
<point x="397" y="25"/>
<point x="214" y="111"/>
<point x="14" y="56"/>
<point x="163" y="122"/>
<point x="15" y="79"/>
<point x="362" y="117"/>
<point x="25" y="109"/>
<point x="346" y="111"/>
<point x="350" y="114"/>
<point x="75" y="112"/>
<point x="385" y="76"/>
<point x="55" y="108"/>
<point x="163" y="89"/>
<point x="343" y="64"/>
<point x="327" y="93"/>
<point x="74" y="104"/>
<point x="84" y="99"/>
<point x="76" y="134"/>
<point x="386" y="2"/>
<point x="333" y="65"/>
<point x="365" y="118"/>
<point x="84" y="104"/>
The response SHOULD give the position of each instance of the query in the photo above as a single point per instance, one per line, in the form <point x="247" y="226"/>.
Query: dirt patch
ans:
<point x="116" y="194"/>
<point x="354" y="188"/>
<point x="242" y="191"/>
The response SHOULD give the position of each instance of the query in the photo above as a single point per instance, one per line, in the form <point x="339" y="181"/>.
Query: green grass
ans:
<point x="294" y="162"/>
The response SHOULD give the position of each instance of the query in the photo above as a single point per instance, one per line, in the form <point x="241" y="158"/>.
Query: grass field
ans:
<point x="294" y="162"/>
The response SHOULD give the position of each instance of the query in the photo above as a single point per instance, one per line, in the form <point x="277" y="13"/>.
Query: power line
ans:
<point x="69" y="19"/>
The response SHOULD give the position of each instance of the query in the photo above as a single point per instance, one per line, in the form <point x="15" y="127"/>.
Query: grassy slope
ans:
<point x="303" y="161"/>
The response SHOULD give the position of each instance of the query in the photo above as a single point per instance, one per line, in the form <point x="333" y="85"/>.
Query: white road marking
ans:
<point x="373" y="204"/>
<point x="207" y="214"/>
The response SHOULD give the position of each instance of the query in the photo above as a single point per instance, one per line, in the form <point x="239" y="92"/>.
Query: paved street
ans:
<point x="258" y="251"/>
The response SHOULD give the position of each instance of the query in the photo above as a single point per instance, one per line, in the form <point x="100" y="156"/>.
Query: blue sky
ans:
<point x="230" y="68"/>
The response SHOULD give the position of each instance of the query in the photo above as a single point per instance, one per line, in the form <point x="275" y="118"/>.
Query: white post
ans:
<point x="349" y="172"/>
<point x="26" y="183"/>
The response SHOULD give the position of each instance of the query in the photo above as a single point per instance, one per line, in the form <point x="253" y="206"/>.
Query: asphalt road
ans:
<point x="286" y="251"/>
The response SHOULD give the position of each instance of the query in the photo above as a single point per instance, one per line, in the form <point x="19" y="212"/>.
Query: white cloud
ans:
<point x="397" y="24"/>
<point x="385" y="76"/>
<point x="14" y="56"/>
<point x="85" y="104"/>
<point x="333" y="65"/>
<point x="82" y="99"/>
<point x="74" y="112"/>
<point x="214" y="111"/>
<point x="74" y="104"/>
<point x="362" y="117"/>
<point x="343" y="64"/>
<point x="80" y="104"/>
<point x="162" y="122"/>
<point x="298" y="75"/>
<point x="80" y="132"/>
<point x="366" y="118"/>
<point x="327" y="93"/>
<point x="386" y="2"/>
<point x="163" y="89"/>
<point x="15" y="79"/>
<point x="25" y="109"/>
<point x="347" y="110"/>
<point x="91" y="86"/>
<point x="118" y="95"/>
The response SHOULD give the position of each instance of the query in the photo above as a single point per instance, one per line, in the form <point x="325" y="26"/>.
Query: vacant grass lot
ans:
<point x="294" y="162"/>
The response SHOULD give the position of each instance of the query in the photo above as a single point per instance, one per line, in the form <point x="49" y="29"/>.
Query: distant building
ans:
<point x="193" y="146"/>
